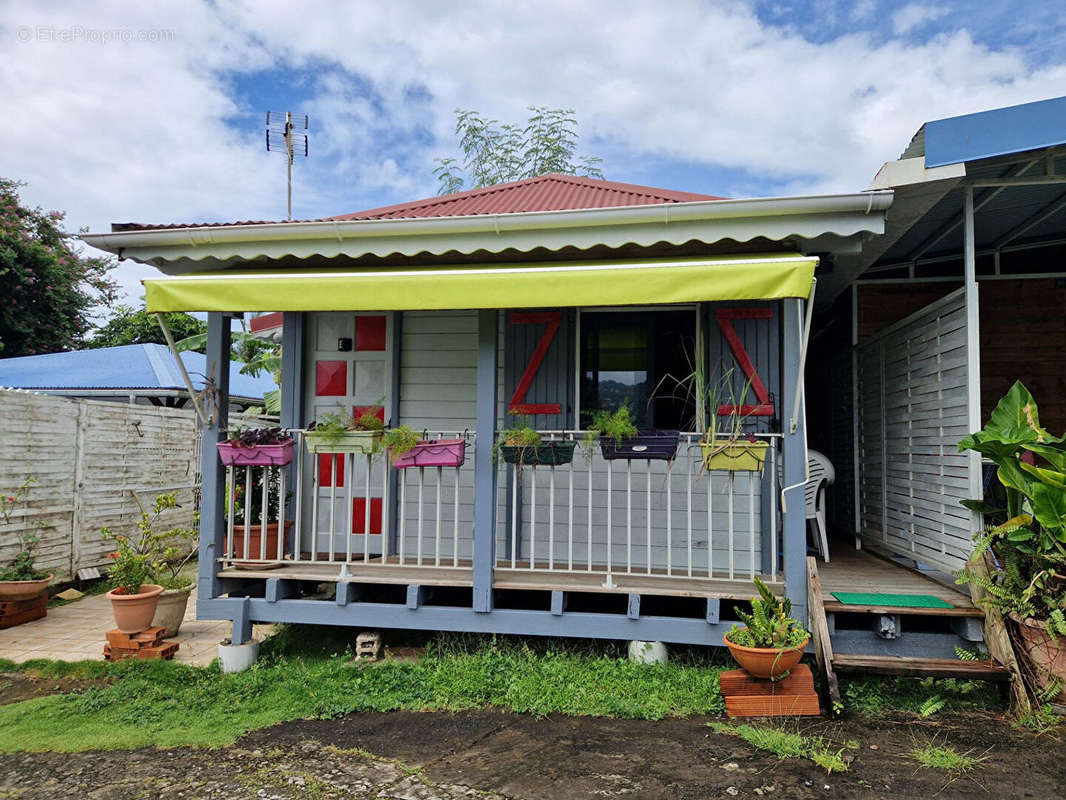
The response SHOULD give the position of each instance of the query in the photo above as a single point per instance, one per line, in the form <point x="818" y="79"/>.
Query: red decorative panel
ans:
<point x="370" y="333"/>
<point x="325" y="469"/>
<point x="377" y="411"/>
<point x="331" y="378"/>
<point x="551" y="321"/>
<point x="359" y="515"/>
<point x="725" y="317"/>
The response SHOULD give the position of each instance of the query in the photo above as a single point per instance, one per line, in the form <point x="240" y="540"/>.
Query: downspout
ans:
<point x="194" y="397"/>
<point x="799" y="400"/>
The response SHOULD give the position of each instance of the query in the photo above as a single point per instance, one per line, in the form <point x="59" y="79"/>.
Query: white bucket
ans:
<point x="237" y="657"/>
<point x="647" y="652"/>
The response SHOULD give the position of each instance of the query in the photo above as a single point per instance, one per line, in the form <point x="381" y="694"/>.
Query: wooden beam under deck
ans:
<point x="516" y="579"/>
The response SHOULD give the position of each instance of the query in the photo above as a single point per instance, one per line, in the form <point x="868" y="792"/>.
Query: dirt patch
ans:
<point x="436" y="756"/>
<point x="16" y="686"/>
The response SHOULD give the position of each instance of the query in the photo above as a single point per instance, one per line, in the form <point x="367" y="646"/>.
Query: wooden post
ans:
<point x="997" y="638"/>
<point x="77" y="517"/>
<point x="823" y="646"/>
<point x="484" y="467"/>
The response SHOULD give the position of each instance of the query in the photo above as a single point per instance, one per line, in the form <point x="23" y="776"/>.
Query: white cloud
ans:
<point x="139" y="131"/>
<point x="915" y="15"/>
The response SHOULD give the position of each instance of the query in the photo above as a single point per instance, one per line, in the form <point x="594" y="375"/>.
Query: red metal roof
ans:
<point x="552" y="192"/>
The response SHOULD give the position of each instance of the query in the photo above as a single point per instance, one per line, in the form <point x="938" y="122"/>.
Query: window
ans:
<point x="639" y="358"/>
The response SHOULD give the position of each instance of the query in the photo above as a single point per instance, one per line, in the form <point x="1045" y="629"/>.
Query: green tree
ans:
<point x="50" y="289"/>
<point x="495" y="153"/>
<point x="129" y="325"/>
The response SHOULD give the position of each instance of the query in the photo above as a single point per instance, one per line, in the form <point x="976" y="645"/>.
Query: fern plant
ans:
<point x="770" y="625"/>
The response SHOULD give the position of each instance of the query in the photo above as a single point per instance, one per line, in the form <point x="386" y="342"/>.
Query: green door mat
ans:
<point x="897" y="600"/>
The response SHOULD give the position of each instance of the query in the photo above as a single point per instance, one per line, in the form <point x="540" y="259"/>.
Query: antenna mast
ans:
<point x="281" y="137"/>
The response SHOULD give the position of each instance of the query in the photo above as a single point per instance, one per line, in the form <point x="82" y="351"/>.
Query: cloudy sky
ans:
<point x="154" y="111"/>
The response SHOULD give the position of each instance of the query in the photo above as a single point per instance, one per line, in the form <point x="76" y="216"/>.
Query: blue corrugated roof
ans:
<point x="998" y="132"/>
<point x="133" y="366"/>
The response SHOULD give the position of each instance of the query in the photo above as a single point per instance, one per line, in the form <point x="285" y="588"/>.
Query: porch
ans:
<point x="616" y="548"/>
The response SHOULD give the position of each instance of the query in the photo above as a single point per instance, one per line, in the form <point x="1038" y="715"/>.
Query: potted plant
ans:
<point x="134" y="599"/>
<point x="21" y="580"/>
<point x="257" y="447"/>
<point x="526" y="447"/>
<point x="620" y="439"/>
<point x="409" y="449"/>
<point x="726" y="446"/>
<point x="263" y="534"/>
<point x="1027" y="533"/>
<point x="340" y="433"/>
<point x="772" y="642"/>
<point x="168" y="552"/>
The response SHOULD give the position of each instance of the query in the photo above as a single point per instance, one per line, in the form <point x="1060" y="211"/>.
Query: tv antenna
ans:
<point x="281" y="137"/>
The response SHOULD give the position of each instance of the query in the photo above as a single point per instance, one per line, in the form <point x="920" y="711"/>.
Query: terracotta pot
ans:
<point x="767" y="663"/>
<point x="170" y="610"/>
<point x="134" y="612"/>
<point x="255" y="541"/>
<point x="11" y="591"/>
<point x="1047" y="656"/>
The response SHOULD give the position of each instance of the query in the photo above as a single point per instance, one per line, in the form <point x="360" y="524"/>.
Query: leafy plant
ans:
<point x="401" y="440"/>
<point x="22" y="567"/>
<point x="150" y="555"/>
<point x="523" y="437"/>
<point x="1029" y="541"/>
<point x="617" y="425"/>
<point x="51" y="290"/>
<point x="495" y="153"/>
<point x="255" y="437"/>
<point x="330" y="429"/>
<point x="256" y="490"/>
<point x="723" y="434"/>
<point x="769" y="625"/>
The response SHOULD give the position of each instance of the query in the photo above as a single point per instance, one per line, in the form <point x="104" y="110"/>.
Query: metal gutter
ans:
<point x="152" y="245"/>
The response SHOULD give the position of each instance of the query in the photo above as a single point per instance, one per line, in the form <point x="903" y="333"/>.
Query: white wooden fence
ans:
<point x="912" y="413"/>
<point x="92" y="461"/>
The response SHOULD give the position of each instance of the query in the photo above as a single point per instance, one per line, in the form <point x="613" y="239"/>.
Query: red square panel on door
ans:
<point x="370" y="333"/>
<point x="331" y="378"/>
<point x="377" y="411"/>
<point x="325" y="469"/>
<point x="359" y="515"/>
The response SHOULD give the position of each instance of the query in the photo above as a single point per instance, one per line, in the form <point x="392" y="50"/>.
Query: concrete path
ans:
<point x="75" y="632"/>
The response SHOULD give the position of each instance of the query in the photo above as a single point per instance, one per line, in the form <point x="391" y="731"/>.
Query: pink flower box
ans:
<point x="436" y="453"/>
<point x="261" y="455"/>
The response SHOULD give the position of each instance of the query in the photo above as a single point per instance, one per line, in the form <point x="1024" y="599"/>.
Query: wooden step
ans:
<point x="793" y="696"/>
<point x="836" y="607"/>
<point x="920" y="667"/>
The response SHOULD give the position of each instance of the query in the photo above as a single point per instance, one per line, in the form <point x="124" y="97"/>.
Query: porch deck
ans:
<point x="851" y="570"/>
<point x="519" y="579"/>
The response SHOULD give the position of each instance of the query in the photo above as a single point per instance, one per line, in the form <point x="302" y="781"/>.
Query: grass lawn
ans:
<point x="306" y="672"/>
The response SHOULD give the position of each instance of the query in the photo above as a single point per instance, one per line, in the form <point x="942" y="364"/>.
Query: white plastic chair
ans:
<point x="820" y="474"/>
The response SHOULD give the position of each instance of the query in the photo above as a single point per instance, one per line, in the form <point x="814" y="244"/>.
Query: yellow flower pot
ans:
<point x="741" y="456"/>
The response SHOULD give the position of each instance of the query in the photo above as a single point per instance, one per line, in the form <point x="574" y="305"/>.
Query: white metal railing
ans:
<point x="430" y="522"/>
<point x="640" y="516"/>
<point x="668" y="518"/>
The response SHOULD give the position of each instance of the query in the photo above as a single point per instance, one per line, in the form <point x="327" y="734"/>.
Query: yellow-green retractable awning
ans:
<point x="523" y="285"/>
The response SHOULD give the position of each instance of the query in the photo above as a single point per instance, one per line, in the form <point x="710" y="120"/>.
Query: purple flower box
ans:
<point x="260" y="455"/>
<point x="645" y="446"/>
<point x="436" y="453"/>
